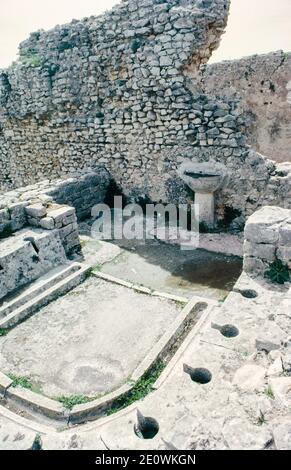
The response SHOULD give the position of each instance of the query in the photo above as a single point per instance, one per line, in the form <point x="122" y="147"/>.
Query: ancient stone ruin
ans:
<point x="159" y="348"/>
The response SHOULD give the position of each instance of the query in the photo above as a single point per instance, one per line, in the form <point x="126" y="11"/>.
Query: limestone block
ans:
<point x="282" y="434"/>
<point x="262" y="251"/>
<point x="285" y="235"/>
<point x="275" y="369"/>
<point x="254" y="265"/>
<point x="270" y="337"/>
<point x="14" y="436"/>
<point x="67" y="230"/>
<point x="250" y="377"/>
<point x="36" y="210"/>
<point x="286" y="361"/>
<point x="263" y="225"/>
<point x="281" y="388"/>
<point x="34" y="222"/>
<point x="284" y="254"/>
<point x="5" y="382"/>
<point x="261" y="233"/>
<point x="36" y="402"/>
<point x="47" y="223"/>
<point x="27" y="256"/>
<point x="249" y="436"/>
<point x="4" y="216"/>
<point x="59" y="214"/>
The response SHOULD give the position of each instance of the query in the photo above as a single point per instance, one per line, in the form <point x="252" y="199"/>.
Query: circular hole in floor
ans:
<point x="148" y="429"/>
<point x="248" y="293"/>
<point x="229" y="331"/>
<point x="200" y="375"/>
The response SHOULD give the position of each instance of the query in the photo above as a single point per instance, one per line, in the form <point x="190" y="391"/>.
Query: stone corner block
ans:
<point x="36" y="210"/>
<point x="5" y="383"/>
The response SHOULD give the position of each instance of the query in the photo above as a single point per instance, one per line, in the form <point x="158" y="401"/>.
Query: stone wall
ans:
<point x="118" y="90"/>
<point x="54" y="205"/>
<point x="267" y="238"/>
<point x="262" y="85"/>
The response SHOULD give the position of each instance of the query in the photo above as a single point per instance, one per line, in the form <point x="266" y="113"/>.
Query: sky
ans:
<point x="254" y="26"/>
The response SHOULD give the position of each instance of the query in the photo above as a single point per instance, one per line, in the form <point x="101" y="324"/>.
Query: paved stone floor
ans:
<point x="169" y="269"/>
<point x="244" y="406"/>
<point x="87" y="342"/>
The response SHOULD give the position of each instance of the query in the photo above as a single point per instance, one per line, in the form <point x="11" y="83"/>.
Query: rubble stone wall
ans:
<point x="262" y="85"/>
<point x="120" y="90"/>
<point x="54" y="205"/>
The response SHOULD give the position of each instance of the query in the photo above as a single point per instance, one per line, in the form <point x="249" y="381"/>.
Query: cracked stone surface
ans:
<point x="89" y="341"/>
<point x="218" y="415"/>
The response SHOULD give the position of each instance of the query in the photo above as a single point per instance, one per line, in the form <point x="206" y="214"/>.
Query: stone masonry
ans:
<point x="262" y="86"/>
<point x="29" y="205"/>
<point x="267" y="238"/>
<point x="119" y="90"/>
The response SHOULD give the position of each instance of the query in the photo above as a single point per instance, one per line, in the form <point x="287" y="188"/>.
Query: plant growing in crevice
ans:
<point x="24" y="382"/>
<point x="269" y="392"/>
<point x="136" y="44"/>
<point x="66" y="45"/>
<point x="31" y="58"/>
<point x="70" y="401"/>
<point x="262" y="419"/>
<point x="278" y="272"/>
<point x="96" y="268"/>
<point x="140" y="390"/>
<point x="3" y="332"/>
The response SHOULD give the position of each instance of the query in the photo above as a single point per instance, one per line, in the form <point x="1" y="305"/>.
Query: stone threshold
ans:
<point x="74" y="275"/>
<point x="143" y="289"/>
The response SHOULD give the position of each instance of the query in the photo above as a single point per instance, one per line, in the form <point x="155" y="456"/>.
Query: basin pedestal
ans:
<point x="204" y="208"/>
<point x="204" y="179"/>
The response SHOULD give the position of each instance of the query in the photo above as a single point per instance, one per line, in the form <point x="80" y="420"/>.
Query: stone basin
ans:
<point x="203" y="183"/>
<point x="201" y="178"/>
<point x="204" y="179"/>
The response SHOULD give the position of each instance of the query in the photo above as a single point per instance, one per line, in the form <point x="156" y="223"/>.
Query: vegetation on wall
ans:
<point x="278" y="273"/>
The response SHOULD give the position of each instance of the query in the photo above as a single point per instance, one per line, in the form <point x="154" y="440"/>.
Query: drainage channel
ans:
<point x="143" y="385"/>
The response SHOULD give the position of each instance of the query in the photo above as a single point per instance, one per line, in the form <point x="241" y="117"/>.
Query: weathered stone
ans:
<point x="36" y="211"/>
<point x="262" y="251"/>
<point x="5" y="383"/>
<point x="285" y="235"/>
<point x="47" y="223"/>
<point x="270" y="339"/>
<point x="149" y="88"/>
<point x="281" y="388"/>
<point x="286" y="361"/>
<point x="28" y="255"/>
<point x="275" y="369"/>
<point x="282" y="434"/>
<point x="249" y="377"/>
<point x="254" y="265"/>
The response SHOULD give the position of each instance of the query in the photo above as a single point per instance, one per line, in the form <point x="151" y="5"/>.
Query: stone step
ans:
<point x="37" y="287"/>
<point x="62" y="286"/>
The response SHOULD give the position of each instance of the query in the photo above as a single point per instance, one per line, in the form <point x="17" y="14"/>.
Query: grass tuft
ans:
<point x="72" y="400"/>
<point x="3" y="332"/>
<point x="269" y="392"/>
<point x="24" y="382"/>
<point x="141" y="389"/>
